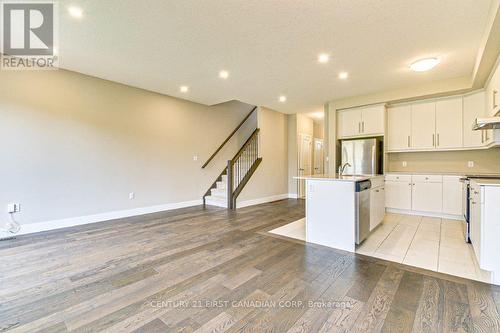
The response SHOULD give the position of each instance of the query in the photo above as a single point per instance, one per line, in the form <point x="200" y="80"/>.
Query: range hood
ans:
<point x="486" y="123"/>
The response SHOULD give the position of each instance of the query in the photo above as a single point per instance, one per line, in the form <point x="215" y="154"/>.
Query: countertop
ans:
<point x="338" y="178"/>
<point x="487" y="182"/>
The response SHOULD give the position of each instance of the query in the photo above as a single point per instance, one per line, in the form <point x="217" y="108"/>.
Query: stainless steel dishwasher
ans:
<point x="362" y="210"/>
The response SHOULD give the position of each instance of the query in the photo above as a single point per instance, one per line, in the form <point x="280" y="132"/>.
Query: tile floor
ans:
<point x="430" y="243"/>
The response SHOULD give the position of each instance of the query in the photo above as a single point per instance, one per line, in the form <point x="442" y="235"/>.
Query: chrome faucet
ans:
<point x="342" y="168"/>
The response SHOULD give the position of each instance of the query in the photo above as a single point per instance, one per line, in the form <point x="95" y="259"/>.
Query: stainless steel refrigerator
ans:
<point x="363" y="155"/>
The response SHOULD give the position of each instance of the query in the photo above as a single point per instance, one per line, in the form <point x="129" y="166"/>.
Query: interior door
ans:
<point x="305" y="149"/>
<point x="318" y="156"/>
<point x="423" y="125"/>
<point x="449" y="123"/>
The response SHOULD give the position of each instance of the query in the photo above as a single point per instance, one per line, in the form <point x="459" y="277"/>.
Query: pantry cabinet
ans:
<point x="361" y="122"/>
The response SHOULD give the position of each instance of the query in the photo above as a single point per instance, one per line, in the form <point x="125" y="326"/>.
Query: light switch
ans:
<point x="195" y="158"/>
<point x="470" y="164"/>
<point x="405" y="164"/>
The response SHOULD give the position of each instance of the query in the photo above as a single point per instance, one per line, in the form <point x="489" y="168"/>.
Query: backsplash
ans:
<point x="485" y="161"/>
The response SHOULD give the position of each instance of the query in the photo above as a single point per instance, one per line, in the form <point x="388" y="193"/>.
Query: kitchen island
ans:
<point x="332" y="212"/>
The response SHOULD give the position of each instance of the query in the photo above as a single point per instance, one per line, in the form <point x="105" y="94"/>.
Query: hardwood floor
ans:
<point x="210" y="270"/>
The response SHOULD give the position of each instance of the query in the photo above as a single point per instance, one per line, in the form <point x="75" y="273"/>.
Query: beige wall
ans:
<point x="292" y="153"/>
<point x="271" y="178"/>
<point x="319" y="130"/>
<point x="75" y="145"/>
<point x="485" y="161"/>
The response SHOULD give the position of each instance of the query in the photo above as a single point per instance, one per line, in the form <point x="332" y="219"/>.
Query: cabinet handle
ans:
<point x="408" y="141"/>
<point x="482" y="136"/>
<point x="434" y="140"/>
<point x="495" y="92"/>
<point x="363" y="126"/>
<point x="359" y="127"/>
<point x="438" y="140"/>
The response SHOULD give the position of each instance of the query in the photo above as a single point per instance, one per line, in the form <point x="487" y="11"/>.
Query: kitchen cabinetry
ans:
<point x="452" y="195"/>
<point x="398" y="192"/>
<point x="366" y="121"/>
<point x="427" y="194"/>
<point x="434" y="195"/>
<point x="475" y="219"/>
<point x="377" y="202"/>
<point x="449" y="123"/>
<point x="493" y="94"/>
<point x="399" y="127"/>
<point x="423" y="125"/>
<point x="474" y="107"/>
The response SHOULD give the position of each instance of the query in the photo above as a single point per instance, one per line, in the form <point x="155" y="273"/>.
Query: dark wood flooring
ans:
<point x="210" y="270"/>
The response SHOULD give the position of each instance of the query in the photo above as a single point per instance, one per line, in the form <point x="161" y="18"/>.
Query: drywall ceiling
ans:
<point x="270" y="47"/>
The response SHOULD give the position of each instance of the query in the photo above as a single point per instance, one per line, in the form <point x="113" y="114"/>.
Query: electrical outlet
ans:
<point x="470" y="164"/>
<point x="13" y="208"/>
<point x="195" y="158"/>
<point x="131" y="195"/>
<point x="405" y="164"/>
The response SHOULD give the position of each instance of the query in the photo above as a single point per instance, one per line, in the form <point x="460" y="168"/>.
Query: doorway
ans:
<point x="305" y="159"/>
<point x="319" y="156"/>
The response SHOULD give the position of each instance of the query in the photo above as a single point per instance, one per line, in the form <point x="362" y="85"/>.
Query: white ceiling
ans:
<point x="270" y="47"/>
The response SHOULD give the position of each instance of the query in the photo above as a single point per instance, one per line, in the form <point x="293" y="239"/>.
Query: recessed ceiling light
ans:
<point x="323" y="58"/>
<point x="75" y="12"/>
<point x="424" y="65"/>
<point x="224" y="74"/>
<point x="184" y="89"/>
<point x="282" y="99"/>
<point x="343" y="75"/>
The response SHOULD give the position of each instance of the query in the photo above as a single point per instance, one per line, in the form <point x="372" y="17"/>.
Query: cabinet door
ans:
<point x="452" y="195"/>
<point x="475" y="221"/>
<point x="423" y="125"/>
<point x="377" y="206"/>
<point x="373" y="120"/>
<point x="449" y="123"/>
<point x="493" y="94"/>
<point x="350" y="122"/>
<point x="427" y="197"/>
<point x="399" y="128"/>
<point x="474" y="107"/>
<point x="398" y="195"/>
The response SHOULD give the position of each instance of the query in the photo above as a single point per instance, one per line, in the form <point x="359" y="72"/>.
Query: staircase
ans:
<point x="231" y="181"/>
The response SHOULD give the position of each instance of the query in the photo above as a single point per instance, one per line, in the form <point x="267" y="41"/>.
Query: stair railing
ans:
<point x="228" y="138"/>
<point x="241" y="168"/>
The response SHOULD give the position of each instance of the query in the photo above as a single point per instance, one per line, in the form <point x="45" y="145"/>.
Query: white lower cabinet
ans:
<point x="398" y="192"/>
<point x="427" y="196"/>
<point x="377" y="206"/>
<point x="436" y="195"/>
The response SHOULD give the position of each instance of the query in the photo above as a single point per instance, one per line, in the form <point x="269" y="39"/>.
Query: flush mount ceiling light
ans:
<point x="224" y="74"/>
<point x="76" y="12"/>
<point x="343" y="75"/>
<point x="424" y="65"/>
<point x="282" y="99"/>
<point x="184" y="89"/>
<point x="323" y="58"/>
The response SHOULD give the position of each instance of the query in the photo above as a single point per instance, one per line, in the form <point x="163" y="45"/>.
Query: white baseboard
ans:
<point x="259" y="201"/>
<point x="74" y="221"/>
<point x="293" y="196"/>
<point x="412" y="212"/>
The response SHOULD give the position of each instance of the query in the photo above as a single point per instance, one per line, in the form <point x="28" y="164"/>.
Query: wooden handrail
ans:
<point x="228" y="138"/>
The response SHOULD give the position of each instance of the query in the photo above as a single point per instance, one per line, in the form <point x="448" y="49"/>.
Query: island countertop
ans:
<point x="337" y="177"/>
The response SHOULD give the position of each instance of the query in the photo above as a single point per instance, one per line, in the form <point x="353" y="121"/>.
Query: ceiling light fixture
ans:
<point x="282" y="99"/>
<point x="343" y="75"/>
<point x="224" y="74"/>
<point x="424" y="65"/>
<point x="184" y="89"/>
<point x="76" y="12"/>
<point x="323" y="58"/>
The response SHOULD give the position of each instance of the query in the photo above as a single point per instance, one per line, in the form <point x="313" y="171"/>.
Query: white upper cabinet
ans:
<point x="423" y="125"/>
<point x="474" y="107"/>
<point x="373" y="120"/>
<point x="399" y="128"/>
<point x="493" y="94"/>
<point x="349" y="123"/>
<point x="449" y="123"/>
<point x="367" y="121"/>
